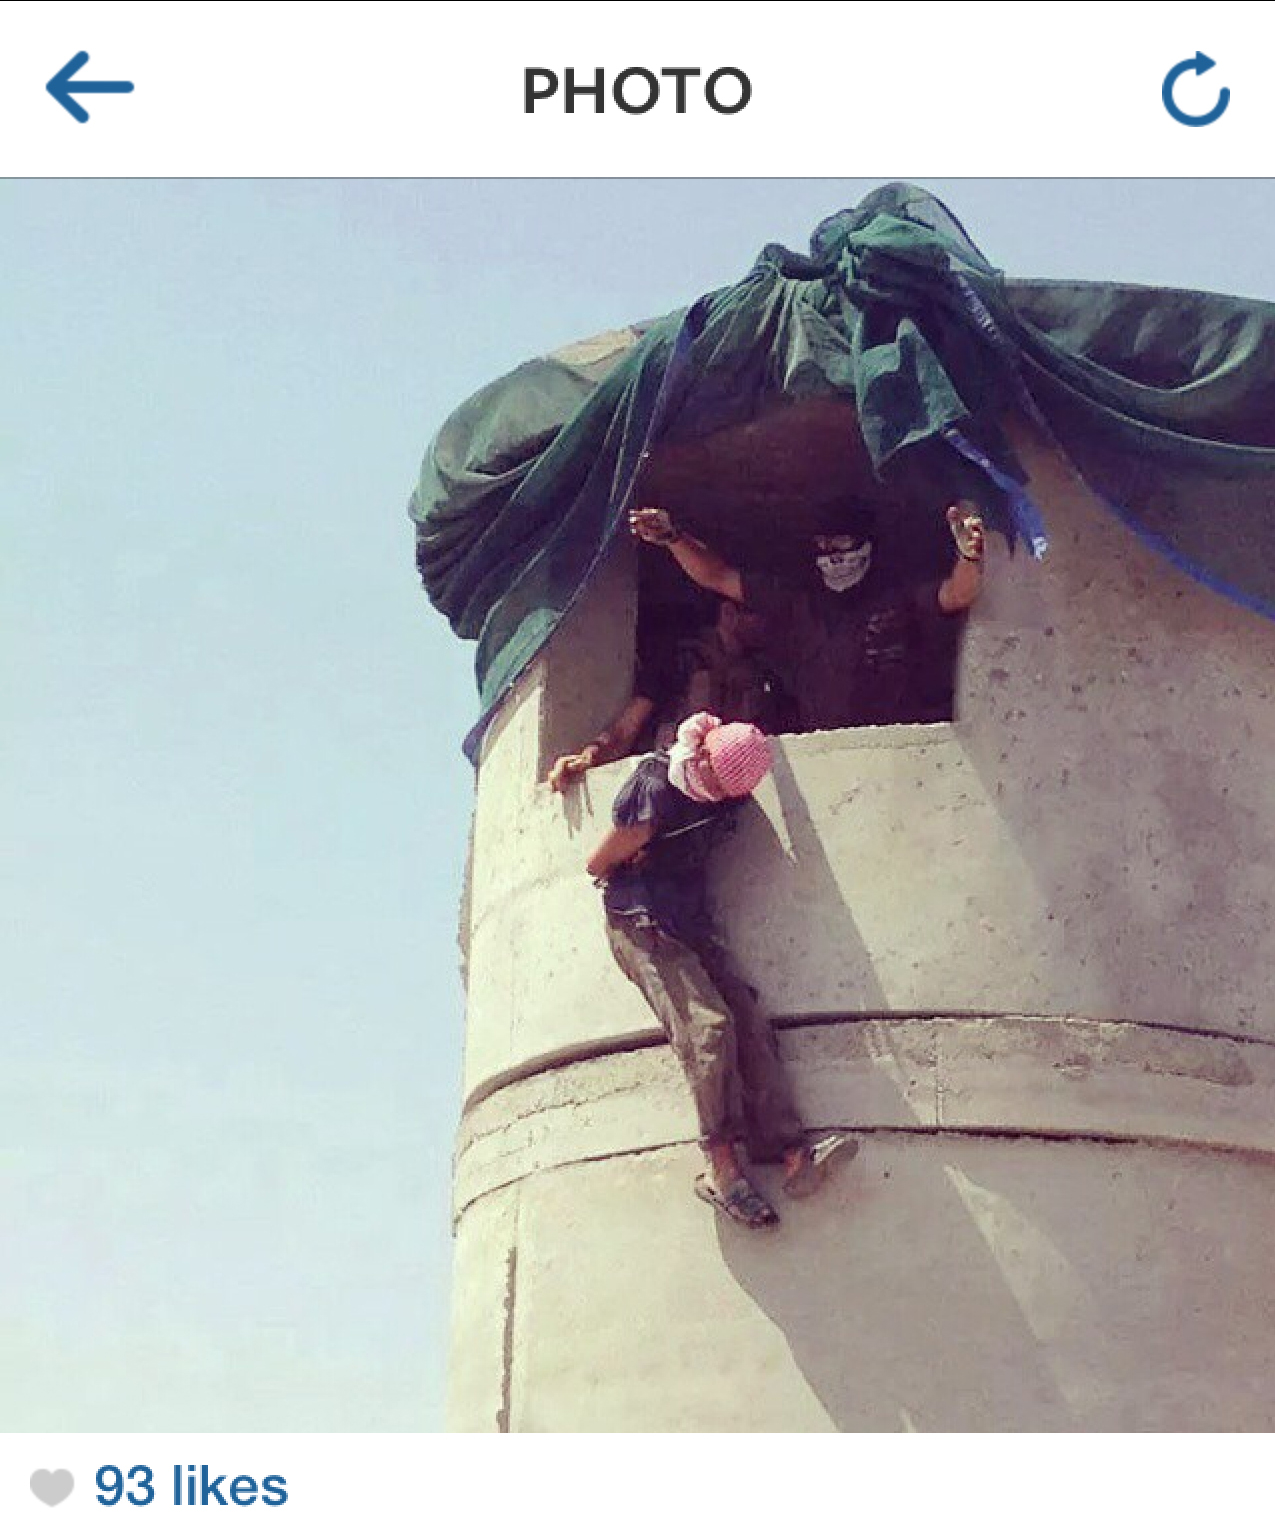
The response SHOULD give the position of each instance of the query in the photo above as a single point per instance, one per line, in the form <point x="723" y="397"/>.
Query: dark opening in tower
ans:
<point x="760" y="494"/>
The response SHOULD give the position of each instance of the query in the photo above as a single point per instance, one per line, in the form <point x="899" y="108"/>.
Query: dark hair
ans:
<point x="846" y="519"/>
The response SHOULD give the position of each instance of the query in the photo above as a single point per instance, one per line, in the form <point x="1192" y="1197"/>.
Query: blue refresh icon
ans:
<point x="1198" y="65"/>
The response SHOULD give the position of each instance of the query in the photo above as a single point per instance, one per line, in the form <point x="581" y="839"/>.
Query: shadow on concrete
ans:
<point x="577" y="806"/>
<point x="756" y="875"/>
<point x="1110" y="709"/>
<point x="930" y="1264"/>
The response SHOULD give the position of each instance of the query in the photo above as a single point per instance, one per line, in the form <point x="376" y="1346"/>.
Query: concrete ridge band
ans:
<point x="649" y="1038"/>
<point x="1049" y="1079"/>
<point x="1038" y="1136"/>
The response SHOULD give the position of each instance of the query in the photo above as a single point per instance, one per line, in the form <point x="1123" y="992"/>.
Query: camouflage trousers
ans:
<point x="726" y="1047"/>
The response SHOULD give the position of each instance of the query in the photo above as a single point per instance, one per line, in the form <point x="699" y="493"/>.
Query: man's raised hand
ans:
<point x="652" y="525"/>
<point x="966" y="522"/>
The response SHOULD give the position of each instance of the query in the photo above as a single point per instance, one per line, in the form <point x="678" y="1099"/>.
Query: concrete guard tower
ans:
<point x="1027" y="955"/>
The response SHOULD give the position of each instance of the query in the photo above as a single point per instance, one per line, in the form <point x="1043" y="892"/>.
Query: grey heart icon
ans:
<point x="52" y="1485"/>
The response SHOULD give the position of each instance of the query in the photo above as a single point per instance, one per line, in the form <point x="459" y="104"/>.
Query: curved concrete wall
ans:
<point x="1026" y="953"/>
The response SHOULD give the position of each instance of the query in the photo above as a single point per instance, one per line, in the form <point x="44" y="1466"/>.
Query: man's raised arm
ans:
<point x="616" y="740"/>
<point x="705" y="568"/>
<point x="964" y="584"/>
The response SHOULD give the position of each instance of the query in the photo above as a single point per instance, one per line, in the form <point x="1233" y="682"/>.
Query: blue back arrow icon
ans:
<point x="1198" y="65"/>
<point x="63" y="87"/>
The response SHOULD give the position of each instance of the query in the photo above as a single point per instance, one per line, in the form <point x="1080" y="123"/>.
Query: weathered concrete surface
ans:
<point x="1038" y="943"/>
<point x="482" y="1326"/>
<point x="1090" y="838"/>
<point x="939" y="1283"/>
<point x="1013" y="1075"/>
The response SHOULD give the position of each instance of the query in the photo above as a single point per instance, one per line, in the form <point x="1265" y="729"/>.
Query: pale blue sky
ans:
<point x="233" y="800"/>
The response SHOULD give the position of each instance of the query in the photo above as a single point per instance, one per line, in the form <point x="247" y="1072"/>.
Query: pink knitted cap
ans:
<point x="740" y="757"/>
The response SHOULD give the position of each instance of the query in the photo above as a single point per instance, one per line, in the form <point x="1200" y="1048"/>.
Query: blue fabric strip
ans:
<point x="1029" y="524"/>
<point x="1186" y="565"/>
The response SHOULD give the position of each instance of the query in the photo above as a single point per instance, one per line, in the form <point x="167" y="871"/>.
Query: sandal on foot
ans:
<point x="817" y="1160"/>
<point x="741" y="1202"/>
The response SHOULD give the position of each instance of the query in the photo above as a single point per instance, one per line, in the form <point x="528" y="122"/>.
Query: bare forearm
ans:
<point x="618" y="738"/>
<point x="609" y="744"/>
<point x="618" y="846"/>
<point x="707" y="568"/>
<point x="962" y="587"/>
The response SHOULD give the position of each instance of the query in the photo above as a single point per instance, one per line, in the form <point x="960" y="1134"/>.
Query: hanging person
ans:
<point x="652" y="868"/>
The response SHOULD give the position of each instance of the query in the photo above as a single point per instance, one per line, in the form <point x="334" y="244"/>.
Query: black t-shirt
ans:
<point x="667" y="881"/>
<point x="693" y="673"/>
<point x="848" y="659"/>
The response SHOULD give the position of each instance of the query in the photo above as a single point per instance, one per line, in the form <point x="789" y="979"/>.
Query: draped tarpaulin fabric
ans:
<point x="1164" y="401"/>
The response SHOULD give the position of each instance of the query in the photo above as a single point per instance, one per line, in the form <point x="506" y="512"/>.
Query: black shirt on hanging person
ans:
<point x="666" y="882"/>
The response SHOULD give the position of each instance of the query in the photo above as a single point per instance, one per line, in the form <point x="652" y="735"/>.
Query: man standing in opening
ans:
<point x="846" y="642"/>
<point x="652" y="866"/>
<point x="717" y="669"/>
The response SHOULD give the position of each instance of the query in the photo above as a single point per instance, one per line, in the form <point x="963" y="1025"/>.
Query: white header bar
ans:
<point x="862" y="90"/>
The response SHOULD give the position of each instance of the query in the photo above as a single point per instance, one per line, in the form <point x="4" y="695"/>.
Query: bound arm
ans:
<point x="609" y="744"/>
<point x="705" y="567"/>
<point x="621" y="844"/>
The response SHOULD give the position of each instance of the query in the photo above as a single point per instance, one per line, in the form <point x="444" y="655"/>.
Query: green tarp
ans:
<point x="1164" y="400"/>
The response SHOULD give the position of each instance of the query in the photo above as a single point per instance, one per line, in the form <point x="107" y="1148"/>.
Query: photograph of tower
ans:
<point x="1003" y="888"/>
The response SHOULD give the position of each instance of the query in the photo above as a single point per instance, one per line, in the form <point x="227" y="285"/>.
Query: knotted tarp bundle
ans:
<point x="1163" y="400"/>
